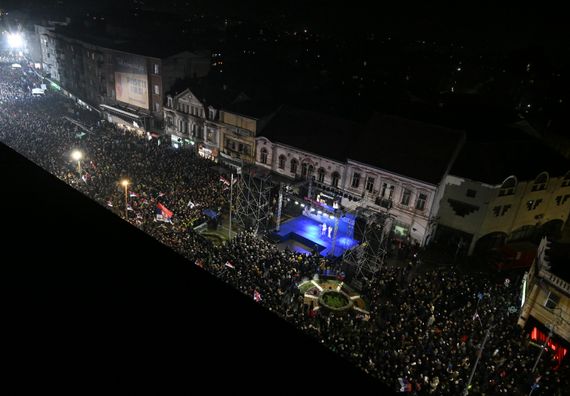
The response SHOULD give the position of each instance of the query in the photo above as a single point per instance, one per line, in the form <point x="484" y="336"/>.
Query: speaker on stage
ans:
<point x="359" y="227"/>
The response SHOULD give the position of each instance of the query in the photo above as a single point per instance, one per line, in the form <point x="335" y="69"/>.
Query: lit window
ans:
<point x="156" y="90"/>
<point x="155" y="69"/>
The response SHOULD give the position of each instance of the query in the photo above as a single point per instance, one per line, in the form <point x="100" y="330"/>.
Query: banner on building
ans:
<point x="131" y="80"/>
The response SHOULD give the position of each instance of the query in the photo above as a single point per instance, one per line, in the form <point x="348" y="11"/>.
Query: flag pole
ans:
<point x="231" y="194"/>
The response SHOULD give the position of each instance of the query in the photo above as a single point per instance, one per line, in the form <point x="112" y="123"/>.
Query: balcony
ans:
<point x="554" y="280"/>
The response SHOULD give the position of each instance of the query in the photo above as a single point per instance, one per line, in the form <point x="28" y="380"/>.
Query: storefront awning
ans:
<point x="119" y="111"/>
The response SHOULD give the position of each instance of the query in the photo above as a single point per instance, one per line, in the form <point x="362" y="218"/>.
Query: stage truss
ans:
<point x="253" y="200"/>
<point x="367" y="258"/>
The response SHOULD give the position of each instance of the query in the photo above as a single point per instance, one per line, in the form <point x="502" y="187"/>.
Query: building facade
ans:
<point x="128" y="86"/>
<point x="241" y="121"/>
<point x="190" y="120"/>
<point x="410" y="202"/>
<point x="303" y="145"/>
<point x="487" y="216"/>
<point x="546" y="296"/>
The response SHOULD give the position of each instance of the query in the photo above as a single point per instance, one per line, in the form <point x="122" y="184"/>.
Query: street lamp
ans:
<point x="125" y="183"/>
<point x="77" y="155"/>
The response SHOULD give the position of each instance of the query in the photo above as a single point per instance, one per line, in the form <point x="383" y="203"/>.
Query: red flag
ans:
<point x="256" y="296"/>
<point x="165" y="212"/>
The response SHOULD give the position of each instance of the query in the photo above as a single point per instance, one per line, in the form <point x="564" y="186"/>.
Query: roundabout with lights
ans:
<point x="333" y="297"/>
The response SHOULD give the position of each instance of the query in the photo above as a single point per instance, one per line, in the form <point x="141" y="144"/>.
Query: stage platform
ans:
<point x="303" y="234"/>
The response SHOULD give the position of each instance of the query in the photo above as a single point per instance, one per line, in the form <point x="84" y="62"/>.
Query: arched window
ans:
<point x="509" y="186"/>
<point x="335" y="179"/>
<point x="322" y="173"/>
<point x="282" y="160"/>
<point x="304" y="169"/>
<point x="294" y="165"/>
<point x="263" y="156"/>
<point x="540" y="182"/>
<point x="566" y="180"/>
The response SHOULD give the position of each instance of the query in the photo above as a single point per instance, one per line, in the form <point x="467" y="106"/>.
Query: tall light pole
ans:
<point x="125" y="183"/>
<point x="77" y="155"/>
<point x="479" y="353"/>
<point x="231" y="194"/>
<point x="544" y="346"/>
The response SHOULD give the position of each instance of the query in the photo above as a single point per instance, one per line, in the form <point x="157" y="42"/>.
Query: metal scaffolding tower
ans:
<point x="253" y="200"/>
<point x="367" y="258"/>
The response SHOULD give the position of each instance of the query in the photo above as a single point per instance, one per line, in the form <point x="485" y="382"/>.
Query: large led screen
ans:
<point x="131" y="80"/>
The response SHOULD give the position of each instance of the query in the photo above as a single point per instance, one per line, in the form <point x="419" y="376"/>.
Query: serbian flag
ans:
<point x="256" y="296"/>
<point x="224" y="180"/>
<point x="133" y="195"/>
<point x="230" y="265"/>
<point x="167" y="214"/>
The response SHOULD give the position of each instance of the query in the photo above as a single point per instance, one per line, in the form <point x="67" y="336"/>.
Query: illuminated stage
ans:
<point x="303" y="234"/>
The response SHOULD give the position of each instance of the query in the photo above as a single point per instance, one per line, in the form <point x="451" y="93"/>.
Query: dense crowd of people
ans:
<point x="424" y="330"/>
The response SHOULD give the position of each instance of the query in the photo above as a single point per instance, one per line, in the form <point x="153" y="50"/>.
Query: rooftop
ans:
<point x="510" y="152"/>
<point x="146" y="44"/>
<point x="559" y="257"/>
<point x="251" y="108"/>
<point x="208" y="92"/>
<point x="317" y="133"/>
<point x="411" y="148"/>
